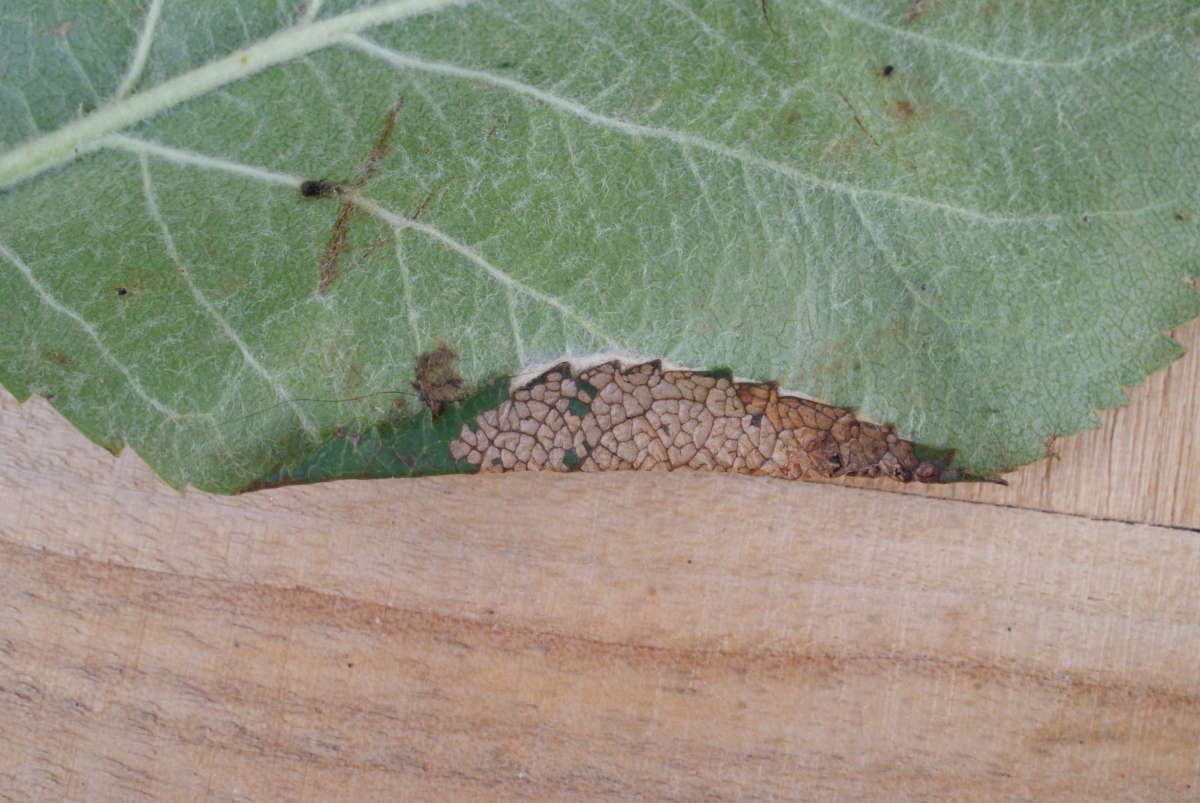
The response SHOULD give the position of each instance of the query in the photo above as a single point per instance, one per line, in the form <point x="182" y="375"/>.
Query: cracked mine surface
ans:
<point x="641" y="417"/>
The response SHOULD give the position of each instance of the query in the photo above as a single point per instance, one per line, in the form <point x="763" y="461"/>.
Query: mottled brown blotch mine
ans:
<point x="643" y="418"/>
<point x="436" y="378"/>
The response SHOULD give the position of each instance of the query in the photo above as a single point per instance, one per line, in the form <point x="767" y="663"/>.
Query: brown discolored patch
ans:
<point x="900" y="109"/>
<point x="329" y="268"/>
<point x="644" y="418"/>
<point x="496" y="127"/>
<point x="436" y="378"/>
<point x="61" y="30"/>
<point x="330" y="265"/>
<point x="58" y="358"/>
<point x="858" y="121"/>
<point x="915" y="9"/>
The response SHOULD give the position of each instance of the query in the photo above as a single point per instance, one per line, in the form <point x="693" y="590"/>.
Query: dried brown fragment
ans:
<point x="645" y="418"/>
<point x="437" y="382"/>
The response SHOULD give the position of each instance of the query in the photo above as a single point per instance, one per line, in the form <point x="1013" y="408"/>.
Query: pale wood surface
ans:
<point x="1141" y="464"/>
<point x="566" y="637"/>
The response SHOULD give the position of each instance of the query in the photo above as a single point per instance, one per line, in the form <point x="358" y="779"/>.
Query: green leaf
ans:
<point x="973" y="219"/>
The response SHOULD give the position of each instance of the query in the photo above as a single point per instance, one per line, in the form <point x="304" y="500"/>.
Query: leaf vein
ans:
<point x="141" y="50"/>
<point x="983" y="55"/>
<point x="683" y="138"/>
<point x="207" y="305"/>
<point x="397" y="221"/>
<point x="49" y="300"/>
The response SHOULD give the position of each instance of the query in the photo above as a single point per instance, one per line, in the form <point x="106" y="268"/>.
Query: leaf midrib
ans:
<point x="86" y="134"/>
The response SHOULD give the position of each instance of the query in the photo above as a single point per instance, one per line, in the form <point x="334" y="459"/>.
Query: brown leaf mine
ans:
<point x="643" y="418"/>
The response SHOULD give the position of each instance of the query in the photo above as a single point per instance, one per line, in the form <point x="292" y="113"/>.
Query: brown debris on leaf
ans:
<point x="644" y="418"/>
<point x="436" y="379"/>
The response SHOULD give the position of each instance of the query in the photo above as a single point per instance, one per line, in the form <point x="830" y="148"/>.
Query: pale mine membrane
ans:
<point x="644" y="418"/>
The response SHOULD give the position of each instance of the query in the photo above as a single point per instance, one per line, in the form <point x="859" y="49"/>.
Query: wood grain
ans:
<point x="571" y="637"/>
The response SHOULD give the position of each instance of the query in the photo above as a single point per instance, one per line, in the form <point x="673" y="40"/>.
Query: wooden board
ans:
<point x="567" y="637"/>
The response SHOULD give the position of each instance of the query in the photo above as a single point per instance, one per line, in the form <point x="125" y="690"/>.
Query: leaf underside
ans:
<point x="228" y="228"/>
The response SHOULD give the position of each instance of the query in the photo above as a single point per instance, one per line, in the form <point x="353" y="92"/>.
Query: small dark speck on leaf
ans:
<point x="121" y="291"/>
<point x="1087" y="219"/>
<point x="1180" y="217"/>
<point x="350" y="665"/>
<point x="319" y="188"/>
<point x="924" y="286"/>
<point x="505" y="65"/>
<point x="887" y="70"/>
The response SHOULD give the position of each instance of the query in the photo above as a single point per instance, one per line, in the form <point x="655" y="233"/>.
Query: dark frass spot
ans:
<point x="887" y="70"/>
<point x="436" y="379"/>
<point x="121" y="291"/>
<point x="319" y="188"/>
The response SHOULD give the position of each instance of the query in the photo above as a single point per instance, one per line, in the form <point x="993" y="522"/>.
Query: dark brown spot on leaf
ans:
<point x="319" y="188"/>
<point x="858" y="121"/>
<point x="436" y="378"/>
<point x="901" y="109"/>
<point x="59" y="358"/>
<point x="330" y="266"/>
